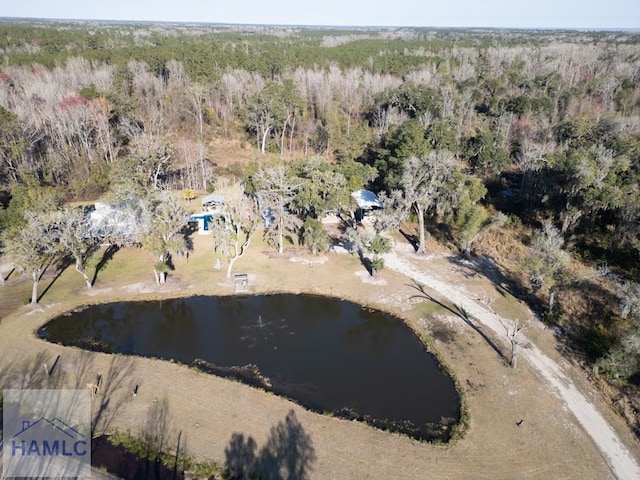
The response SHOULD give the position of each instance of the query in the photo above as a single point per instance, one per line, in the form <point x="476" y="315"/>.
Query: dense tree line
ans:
<point x="460" y="131"/>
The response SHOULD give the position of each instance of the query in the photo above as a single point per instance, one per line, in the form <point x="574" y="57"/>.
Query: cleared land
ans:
<point x="550" y="443"/>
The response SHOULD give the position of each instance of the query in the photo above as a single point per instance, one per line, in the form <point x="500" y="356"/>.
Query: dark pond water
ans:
<point x="327" y="354"/>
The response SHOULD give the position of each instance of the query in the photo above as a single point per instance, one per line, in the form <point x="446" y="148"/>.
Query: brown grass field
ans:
<point x="208" y="410"/>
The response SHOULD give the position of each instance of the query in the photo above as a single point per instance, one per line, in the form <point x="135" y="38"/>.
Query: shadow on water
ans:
<point x="460" y="312"/>
<point x="148" y="456"/>
<point x="117" y="460"/>
<point x="288" y="453"/>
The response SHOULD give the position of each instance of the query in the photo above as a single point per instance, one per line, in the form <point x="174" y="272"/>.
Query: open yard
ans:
<point x="519" y="426"/>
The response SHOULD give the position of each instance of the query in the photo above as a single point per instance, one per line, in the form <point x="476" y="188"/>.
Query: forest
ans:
<point x="520" y="146"/>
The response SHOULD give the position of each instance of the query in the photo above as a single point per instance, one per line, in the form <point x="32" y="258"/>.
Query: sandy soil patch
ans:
<point x="365" y="277"/>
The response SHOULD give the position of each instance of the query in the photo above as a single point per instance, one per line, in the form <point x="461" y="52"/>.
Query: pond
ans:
<point x="326" y="354"/>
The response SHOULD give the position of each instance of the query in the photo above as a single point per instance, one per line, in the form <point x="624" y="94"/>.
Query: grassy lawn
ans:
<point x="210" y="410"/>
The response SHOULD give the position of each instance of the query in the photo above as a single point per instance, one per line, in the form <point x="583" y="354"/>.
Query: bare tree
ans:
<point x="271" y="110"/>
<point x="196" y="94"/>
<point x="351" y="95"/>
<point x="514" y="328"/>
<point x="105" y="137"/>
<point x="236" y="87"/>
<point x="149" y="93"/>
<point x="530" y="158"/>
<point x="12" y="145"/>
<point x="196" y="171"/>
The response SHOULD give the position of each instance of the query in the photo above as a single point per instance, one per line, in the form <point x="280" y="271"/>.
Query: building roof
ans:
<point x="122" y="219"/>
<point x="366" y="199"/>
<point x="213" y="198"/>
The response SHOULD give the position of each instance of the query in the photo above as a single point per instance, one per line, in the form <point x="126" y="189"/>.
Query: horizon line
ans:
<point x="327" y="26"/>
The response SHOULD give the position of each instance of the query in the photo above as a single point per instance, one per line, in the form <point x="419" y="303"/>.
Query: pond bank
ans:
<point x="214" y="414"/>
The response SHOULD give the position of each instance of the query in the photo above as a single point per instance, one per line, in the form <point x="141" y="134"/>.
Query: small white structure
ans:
<point x="367" y="202"/>
<point x="212" y="203"/>
<point x="241" y="282"/>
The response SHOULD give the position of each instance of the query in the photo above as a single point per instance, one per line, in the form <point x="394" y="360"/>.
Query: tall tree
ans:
<point x="469" y="215"/>
<point x="234" y="228"/>
<point x="547" y="261"/>
<point x="12" y="145"/>
<point x="473" y="222"/>
<point x="72" y="230"/>
<point x="400" y="143"/>
<point x="276" y="188"/>
<point x="163" y="221"/>
<point x="427" y="182"/>
<point x="622" y="362"/>
<point x="314" y="236"/>
<point x="31" y="246"/>
<point x="267" y="110"/>
<point x="321" y="188"/>
<point x="149" y="156"/>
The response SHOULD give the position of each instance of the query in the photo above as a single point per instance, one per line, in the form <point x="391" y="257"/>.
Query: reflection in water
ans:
<point x="325" y="353"/>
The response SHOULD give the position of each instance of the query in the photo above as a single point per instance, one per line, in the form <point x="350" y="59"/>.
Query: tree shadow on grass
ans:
<point x="460" y="312"/>
<point x="61" y="266"/>
<point x="22" y="373"/>
<point x="107" y="256"/>
<point x="412" y="239"/>
<point x="487" y="267"/>
<point x="287" y="455"/>
<point x="37" y="371"/>
<point x="8" y="276"/>
<point x="112" y="393"/>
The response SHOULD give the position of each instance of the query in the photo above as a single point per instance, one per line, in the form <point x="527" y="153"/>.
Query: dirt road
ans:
<point x="622" y="462"/>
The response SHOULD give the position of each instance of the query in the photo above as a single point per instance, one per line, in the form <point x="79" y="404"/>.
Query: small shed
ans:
<point x="367" y="202"/>
<point x="212" y="202"/>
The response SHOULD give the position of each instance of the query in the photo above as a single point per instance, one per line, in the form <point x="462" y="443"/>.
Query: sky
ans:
<point x="580" y="14"/>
